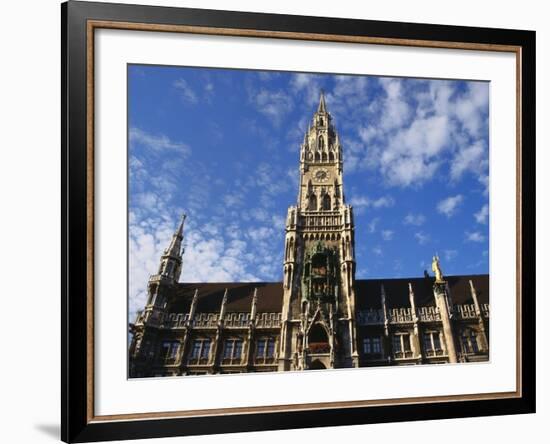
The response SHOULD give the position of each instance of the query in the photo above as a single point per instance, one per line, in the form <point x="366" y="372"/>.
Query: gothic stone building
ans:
<point x="320" y="316"/>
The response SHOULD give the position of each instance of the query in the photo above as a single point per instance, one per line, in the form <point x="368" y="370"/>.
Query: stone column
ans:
<point x="441" y="300"/>
<point x="251" y="326"/>
<point x="416" y="340"/>
<point x="387" y="346"/>
<point x="214" y="359"/>
<point x="187" y="333"/>
<point x="481" y="322"/>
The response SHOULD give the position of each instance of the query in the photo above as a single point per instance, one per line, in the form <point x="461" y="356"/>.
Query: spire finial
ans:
<point x="436" y="268"/>
<point x="175" y="249"/>
<point x="322" y="105"/>
<point x="182" y="221"/>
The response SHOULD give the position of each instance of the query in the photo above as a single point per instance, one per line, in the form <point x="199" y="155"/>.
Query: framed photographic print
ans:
<point x="277" y="221"/>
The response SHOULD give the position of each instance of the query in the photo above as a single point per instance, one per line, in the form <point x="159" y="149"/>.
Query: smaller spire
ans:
<point x="224" y="303"/>
<point x="180" y="228"/>
<point x="254" y="304"/>
<point x="175" y="249"/>
<point x="193" y="306"/>
<point x="322" y="105"/>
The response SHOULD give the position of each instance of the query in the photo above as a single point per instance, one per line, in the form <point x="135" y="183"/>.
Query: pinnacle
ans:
<point x="322" y="105"/>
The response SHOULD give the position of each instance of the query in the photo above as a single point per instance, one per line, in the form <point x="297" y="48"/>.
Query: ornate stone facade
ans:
<point x="320" y="316"/>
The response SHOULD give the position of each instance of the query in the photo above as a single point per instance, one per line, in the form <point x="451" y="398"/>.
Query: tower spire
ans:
<point x="175" y="249"/>
<point x="322" y="105"/>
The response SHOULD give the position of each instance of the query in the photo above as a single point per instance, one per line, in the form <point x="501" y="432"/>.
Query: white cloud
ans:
<point x="260" y="233"/>
<point x="449" y="255"/>
<point x="422" y="238"/>
<point x="278" y="222"/>
<point x="474" y="236"/>
<point x="449" y="206"/>
<point x="309" y="84"/>
<point x="395" y="110"/>
<point x="482" y="215"/>
<point x="371" y="227"/>
<point x="387" y="235"/>
<point x="186" y="92"/>
<point x="419" y="126"/>
<point x="158" y="143"/>
<point x="484" y="180"/>
<point x="377" y="250"/>
<point x="362" y="202"/>
<point x="471" y="105"/>
<point x="413" y="154"/>
<point x="471" y="158"/>
<point x="414" y="219"/>
<point x="273" y="104"/>
<point x="233" y="200"/>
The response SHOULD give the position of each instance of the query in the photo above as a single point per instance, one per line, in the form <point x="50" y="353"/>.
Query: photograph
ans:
<point x="285" y="221"/>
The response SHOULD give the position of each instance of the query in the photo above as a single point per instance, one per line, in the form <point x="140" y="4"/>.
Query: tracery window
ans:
<point x="232" y="351"/>
<point x="326" y="202"/>
<point x="432" y="343"/>
<point x="402" y="345"/>
<point x="321" y="142"/>
<point x="468" y="342"/>
<point x="169" y="351"/>
<point x="265" y="350"/>
<point x="372" y="345"/>
<point x="312" y="205"/>
<point x="200" y="351"/>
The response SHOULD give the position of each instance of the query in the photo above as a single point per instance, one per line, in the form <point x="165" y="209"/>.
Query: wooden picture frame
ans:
<point x="79" y="22"/>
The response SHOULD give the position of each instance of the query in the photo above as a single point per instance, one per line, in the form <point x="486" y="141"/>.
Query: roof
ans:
<point x="367" y="293"/>
<point x="239" y="297"/>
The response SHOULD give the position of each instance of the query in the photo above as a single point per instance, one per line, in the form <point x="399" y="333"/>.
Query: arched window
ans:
<point x="326" y="202"/>
<point x="318" y="334"/>
<point x="312" y="206"/>
<point x="289" y="277"/>
<point x="321" y="142"/>
<point x="324" y="156"/>
<point x="317" y="156"/>
<point x="331" y="156"/>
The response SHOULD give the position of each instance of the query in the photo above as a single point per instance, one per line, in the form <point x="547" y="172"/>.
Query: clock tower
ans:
<point x="318" y="317"/>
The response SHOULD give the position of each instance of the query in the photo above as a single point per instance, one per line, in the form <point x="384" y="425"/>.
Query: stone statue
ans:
<point x="437" y="270"/>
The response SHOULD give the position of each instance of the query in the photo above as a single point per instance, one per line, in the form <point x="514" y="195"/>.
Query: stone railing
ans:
<point x="210" y="320"/>
<point x="205" y="320"/>
<point x="175" y="320"/>
<point x="424" y="314"/>
<point x="268" y="320"/>
<point x="370" y="317"/>
<point x="139" y="318"/>
<point x="468" y="311"/>
<point x="152" y="318"/>
<point x="428" y="314"/>
<point x="316" y="221"/>
<point x="400" y="315"/>
<point x="403" y="354"/>
<point x="236" y="320"/>
<point x="465" y="311"/>
<point x="395" y="316"/>
<point x="433" y="353"/>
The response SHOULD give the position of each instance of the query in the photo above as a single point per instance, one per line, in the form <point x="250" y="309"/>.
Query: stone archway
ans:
<point x="318" y="339"/>
<point x="317" y="365"/>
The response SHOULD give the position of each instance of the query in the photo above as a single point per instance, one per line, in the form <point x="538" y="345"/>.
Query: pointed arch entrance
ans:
<point x="317" y="365"/>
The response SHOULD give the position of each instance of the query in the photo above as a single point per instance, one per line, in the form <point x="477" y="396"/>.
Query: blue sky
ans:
<point x="223" y="147"/>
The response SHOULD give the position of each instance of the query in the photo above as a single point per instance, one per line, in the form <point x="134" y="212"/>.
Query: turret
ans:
<point x="170" y="262"/>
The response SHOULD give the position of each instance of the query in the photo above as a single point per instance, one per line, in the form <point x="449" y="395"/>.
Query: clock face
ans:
<point x="322" y="175"/>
